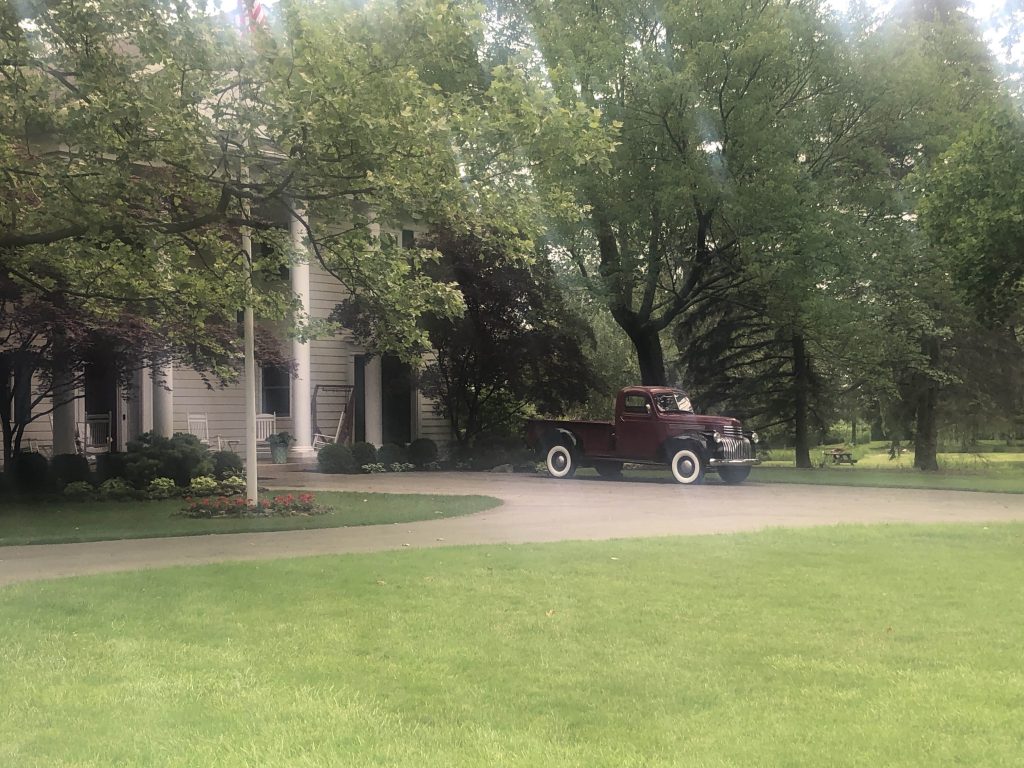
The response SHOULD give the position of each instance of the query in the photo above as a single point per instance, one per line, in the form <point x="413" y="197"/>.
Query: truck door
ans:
<point x="635" y="429"/>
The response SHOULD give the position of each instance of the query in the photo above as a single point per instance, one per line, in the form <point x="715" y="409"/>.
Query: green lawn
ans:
<point x="61" y="521"/>
<point x="850" y="646"/>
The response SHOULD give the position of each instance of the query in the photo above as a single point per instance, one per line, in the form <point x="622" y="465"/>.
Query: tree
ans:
<point x="516" y="350"/>
<point x="710" y="104"/>
<point x="139" y="136"/>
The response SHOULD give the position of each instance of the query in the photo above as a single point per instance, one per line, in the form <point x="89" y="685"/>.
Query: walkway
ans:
<point x="534" y="509"/>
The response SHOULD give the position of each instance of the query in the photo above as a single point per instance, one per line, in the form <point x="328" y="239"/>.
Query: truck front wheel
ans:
<point x="688" y="466"/>
<point x="734" y="475"/>
<point x="560" y="461"/>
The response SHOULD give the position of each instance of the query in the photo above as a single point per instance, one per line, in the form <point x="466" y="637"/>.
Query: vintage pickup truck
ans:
<point x="653" y="425"/>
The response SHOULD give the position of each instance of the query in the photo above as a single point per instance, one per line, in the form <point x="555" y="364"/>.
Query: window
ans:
<point x="635" y="404"/>
<point x="277" y="390"/>
<point x="408" y="238"/>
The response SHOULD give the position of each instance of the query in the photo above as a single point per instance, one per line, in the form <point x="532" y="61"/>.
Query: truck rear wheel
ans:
<point x="734" y="475"/>
<point x="611" y="470"/>
<point x="687" y="466"/>
<point x="560" y="461"/>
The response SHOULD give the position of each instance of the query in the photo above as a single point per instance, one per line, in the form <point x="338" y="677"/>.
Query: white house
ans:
<point x="310" y="399"/>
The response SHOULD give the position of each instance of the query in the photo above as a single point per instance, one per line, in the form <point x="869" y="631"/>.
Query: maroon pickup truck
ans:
<point x="653" y="425"/>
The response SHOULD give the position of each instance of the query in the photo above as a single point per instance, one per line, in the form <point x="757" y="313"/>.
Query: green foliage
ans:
<point x="422" y="451"/>
<point x="116" y="489"/>
<point x="974" y="208"/>
<point x="162" y="488"/>
<point x="233" y="485"/>
<point x="203" y="485"/>
<point x="391" y="453"/>
<point x="336" y="459"/>
<point x="280" y="440"/>
<point x="227" y="464"/>
<point x="79" y="490"/>
<point x="109" y="465"/>
<point x="180" y="458"/>
<point x="70" y="468"/>
<point x="364" y="453"/>
<point x="29" y="473"/>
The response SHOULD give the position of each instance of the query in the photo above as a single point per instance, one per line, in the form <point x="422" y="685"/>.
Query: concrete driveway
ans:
<point x="534" y="509"/>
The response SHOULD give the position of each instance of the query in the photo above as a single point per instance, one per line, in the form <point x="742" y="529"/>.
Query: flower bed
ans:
<point x="286" y="505"/>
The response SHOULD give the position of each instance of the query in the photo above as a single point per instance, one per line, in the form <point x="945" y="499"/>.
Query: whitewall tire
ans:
<point x="560" y="461"/>
<point x="687" y="466"/>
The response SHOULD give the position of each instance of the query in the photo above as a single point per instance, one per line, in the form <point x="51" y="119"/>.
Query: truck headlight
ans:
<point x="754" y="438"/>
<point x="716" y="436"/>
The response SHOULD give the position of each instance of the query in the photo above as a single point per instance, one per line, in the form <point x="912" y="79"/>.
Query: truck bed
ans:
<point x="597" y="437"/>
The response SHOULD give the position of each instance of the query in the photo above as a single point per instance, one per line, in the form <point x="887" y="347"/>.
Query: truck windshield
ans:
<point x="673" y="401"/>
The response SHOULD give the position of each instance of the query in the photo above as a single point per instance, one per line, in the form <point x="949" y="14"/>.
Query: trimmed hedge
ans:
<point x="364" y="453"/>
<point x="70" y="468"/>
<point x="227" y="464"/>
<point x="422" y="451"/>
<point x="336" y="459"/>
<point x="29" y="473"/>
<point x="391" y="453"/>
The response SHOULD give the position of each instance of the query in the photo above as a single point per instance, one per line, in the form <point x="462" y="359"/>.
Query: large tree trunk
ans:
<point x="802" y="394"/>
<point x="650" y="356"/>
<point x="926" y="433"/>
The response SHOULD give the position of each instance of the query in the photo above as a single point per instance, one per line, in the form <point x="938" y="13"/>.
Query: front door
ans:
<point x="636" y="427"/>
<point x="396" y="400"/>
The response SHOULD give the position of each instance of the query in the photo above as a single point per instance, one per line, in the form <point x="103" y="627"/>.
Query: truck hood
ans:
<point x="703" y="423"/>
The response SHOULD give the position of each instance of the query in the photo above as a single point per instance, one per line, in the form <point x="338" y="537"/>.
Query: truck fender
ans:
<point x="559" y="437"/>
<point x="677" y="442"/>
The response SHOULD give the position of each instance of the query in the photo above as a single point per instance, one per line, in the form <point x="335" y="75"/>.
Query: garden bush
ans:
<point x="391" y="453"/>
<point x="422" y="451"/>
<point x="70" y="468"/>
<point x="492" y="450"/>
<point x="203" y="485"/>
<point x="180" y="458"/>
<point x="233" y="485"/>
<point x="30" y="473"/>
<point x="227" y="464"/>
<point x="161" y="488"/>
<point x="109" y="465"/>
<point x="79" y="490"/>
<point x="117" y="489"/>
<point x="336" y="459"/>
<point x="364" y="453"/>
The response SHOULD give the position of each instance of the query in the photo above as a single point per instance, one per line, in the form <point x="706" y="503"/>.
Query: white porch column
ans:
<point x="372" y="402"/>
<point x="64" y="414"/>
<point x="302" y="381"/>
<point x="163" y="400"/>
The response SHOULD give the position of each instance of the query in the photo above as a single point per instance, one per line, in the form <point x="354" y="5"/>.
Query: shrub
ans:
<point x="227" y="464"/>
<point x="391" y="453"/>
<point x="116" y="489"/>
<point x="30" y="473"/>
<point x="79" y="490"/>
<point x="284" y="506"/>
<point x="204" y="485"/>
<point x="336" y="459"/>
<point x="491" y="450"/>
<point x="180" y="458"/>
<point x="372" y="469"/>
<point x="234" y="485"/>
<point x="70" y="468"/>
<point x="364" y="453"/>
<point x="161" y="488"/>
<point x="400" y="467"/>
<point x="109" y="465"/>
<point x="422" y="451"/>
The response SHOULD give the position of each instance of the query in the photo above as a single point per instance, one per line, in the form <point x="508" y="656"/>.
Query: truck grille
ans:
<point x="736" y="448"/>
<point x="731" y="431"/>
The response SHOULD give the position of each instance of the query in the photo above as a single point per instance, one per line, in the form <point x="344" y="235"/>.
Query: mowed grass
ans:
<point x="850" y="646"/>
<point x="61" y="521"/>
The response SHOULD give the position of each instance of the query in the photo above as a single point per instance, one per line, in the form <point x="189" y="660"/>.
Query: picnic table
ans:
<point x="840" y="456"/>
